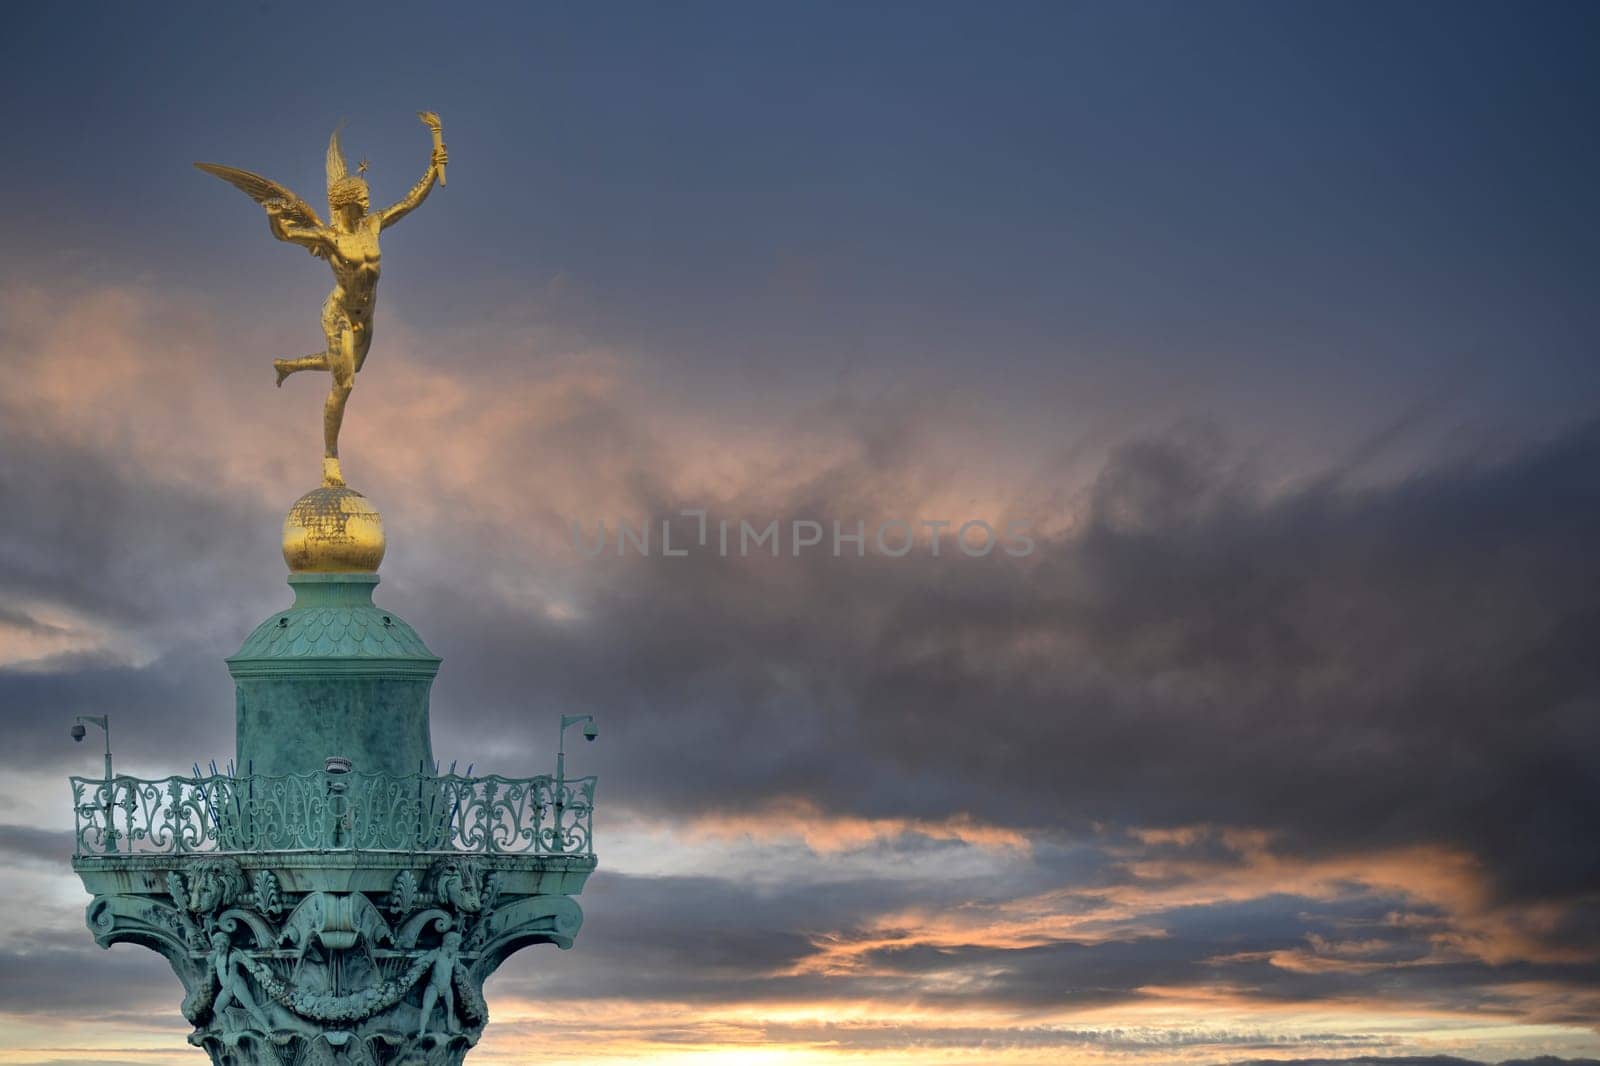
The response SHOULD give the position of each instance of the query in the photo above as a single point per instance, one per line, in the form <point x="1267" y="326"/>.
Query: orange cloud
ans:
<point x="1470" y="928"/>
<point x="800" y="818"/>
<point x="523" y="429"/>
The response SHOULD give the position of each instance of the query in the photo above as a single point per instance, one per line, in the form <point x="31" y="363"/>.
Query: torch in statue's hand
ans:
<point x="430" y="119"/>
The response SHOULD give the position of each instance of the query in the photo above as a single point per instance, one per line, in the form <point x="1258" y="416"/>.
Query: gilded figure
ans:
<point x="349" y="243"/>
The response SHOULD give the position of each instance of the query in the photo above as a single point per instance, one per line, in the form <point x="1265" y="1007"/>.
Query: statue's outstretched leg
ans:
<point x="285" y="367"/>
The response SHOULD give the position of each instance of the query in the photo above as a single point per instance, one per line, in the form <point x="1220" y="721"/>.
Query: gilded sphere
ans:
<point x="333" y="529"/>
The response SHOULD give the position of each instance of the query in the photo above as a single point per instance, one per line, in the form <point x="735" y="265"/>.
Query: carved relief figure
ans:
<point x="225" y="964"/>
<point x="441" y="978"/>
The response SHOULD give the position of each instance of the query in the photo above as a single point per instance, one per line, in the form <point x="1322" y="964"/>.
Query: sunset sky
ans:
<point x="1273" y="323"/>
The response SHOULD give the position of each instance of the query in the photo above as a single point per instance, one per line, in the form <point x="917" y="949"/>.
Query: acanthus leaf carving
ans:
<point x="403" y="895"/>
<point x="266" y="897"/>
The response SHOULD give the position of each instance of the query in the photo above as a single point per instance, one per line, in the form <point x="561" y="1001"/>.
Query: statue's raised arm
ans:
<point x="419" y="192"/>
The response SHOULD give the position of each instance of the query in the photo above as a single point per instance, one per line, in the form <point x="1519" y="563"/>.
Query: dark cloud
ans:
<point x="152" y="571"/>
<point x="24" y="621"/>
<point x="81" y="980"/>
<point x="715" y="941"/>
<point x="38" y="845"/>
<point x="861" y="1038"/>
<point x="704" y="939"/>
<point x="127" y="546"/>
<point x="1362" y="216"/>
<point x="1349" y="668"/>
<point x="162" y="722"/>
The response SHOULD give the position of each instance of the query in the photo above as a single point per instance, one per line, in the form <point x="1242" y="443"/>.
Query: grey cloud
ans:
<point x="1348" y="667"/>
<point x="709" y="940"/>
<point x="25" y="621"/>
<point x="122" y="545"/>
<point x="38" y="845"/>
<point x="902" y="1038"/>
<point x="165" y="715"/>
<point x="67" y="982"/>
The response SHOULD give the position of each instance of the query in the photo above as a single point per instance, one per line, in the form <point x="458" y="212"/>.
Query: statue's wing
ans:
<point x="337" y="167"/>
<point x="262" y="189"/>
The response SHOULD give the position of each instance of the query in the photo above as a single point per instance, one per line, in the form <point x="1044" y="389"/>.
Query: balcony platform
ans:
<point x="337" y="917"/>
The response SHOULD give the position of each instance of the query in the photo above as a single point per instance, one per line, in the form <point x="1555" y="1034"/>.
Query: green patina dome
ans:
<point x="333" y="617"/>
<point x="334" y="632"/>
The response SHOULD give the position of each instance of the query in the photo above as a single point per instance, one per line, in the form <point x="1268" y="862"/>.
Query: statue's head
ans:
<point x="349" y="192"/>
<point x="219" y="939"/>
<point x="452" y="940"/>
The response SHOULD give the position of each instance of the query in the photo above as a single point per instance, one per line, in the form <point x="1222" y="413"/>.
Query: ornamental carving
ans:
<point x="280" y="978"/>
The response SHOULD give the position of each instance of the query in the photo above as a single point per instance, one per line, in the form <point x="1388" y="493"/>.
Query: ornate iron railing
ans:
<point x="334" y="812"/>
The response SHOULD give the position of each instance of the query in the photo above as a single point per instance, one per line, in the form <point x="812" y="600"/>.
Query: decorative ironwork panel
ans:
<point x="334" y="812"/>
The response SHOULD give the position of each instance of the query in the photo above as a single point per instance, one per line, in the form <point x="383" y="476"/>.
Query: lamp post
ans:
<point x="104" y="722"/>
<point x="589" y="733"/>
<point x="78" y="733"/>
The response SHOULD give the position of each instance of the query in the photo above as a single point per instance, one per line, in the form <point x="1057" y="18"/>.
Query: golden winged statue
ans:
<point x="350" y="245"/>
